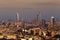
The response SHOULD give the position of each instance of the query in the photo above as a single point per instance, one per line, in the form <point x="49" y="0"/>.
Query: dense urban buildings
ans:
<point x="34" y="30"/>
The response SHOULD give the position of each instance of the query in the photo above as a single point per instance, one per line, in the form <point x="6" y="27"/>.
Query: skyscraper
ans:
<point x="52" y="21"/>
<point x="43" y="22"/>
<point x="17" y="16"/>
<point x="38" y="16"/>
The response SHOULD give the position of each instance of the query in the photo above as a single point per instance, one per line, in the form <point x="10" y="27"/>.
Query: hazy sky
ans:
<point x="29" y="8"/>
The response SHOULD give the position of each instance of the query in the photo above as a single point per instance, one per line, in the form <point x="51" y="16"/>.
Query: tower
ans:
<point x="17" y="16"/>
<point x="52" y="21"/>
<point x="43" y="22"/>
<point x="37" y="17"/>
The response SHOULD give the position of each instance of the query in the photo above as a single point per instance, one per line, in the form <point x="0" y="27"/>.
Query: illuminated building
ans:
<point x="52" y="21"/>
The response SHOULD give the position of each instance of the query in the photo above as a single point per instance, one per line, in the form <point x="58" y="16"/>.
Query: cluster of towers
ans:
<point x="52" y="22"/>
<point x="43" y="21"/>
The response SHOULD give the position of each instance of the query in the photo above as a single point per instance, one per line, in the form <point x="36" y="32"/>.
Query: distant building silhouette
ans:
<point x="52" y="21"/>
<point x="17" y="16"/>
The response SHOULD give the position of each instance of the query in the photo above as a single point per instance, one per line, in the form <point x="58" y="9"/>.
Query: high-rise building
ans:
<point x="43" y="22"/>
<point x="17" y="16"/>
<point x="37" y="17"/>
<point x="52" y="21"/>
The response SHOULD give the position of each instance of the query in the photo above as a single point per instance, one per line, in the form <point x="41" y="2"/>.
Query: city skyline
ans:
<point x="30" y="19"/>
<point x="47" y="8"/>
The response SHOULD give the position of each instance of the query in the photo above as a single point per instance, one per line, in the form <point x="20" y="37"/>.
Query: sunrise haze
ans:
<point x="28" y="8"/>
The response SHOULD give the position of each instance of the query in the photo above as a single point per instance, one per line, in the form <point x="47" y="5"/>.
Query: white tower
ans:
<point x="17" y="16"/>
<point x="52" y="21"/>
